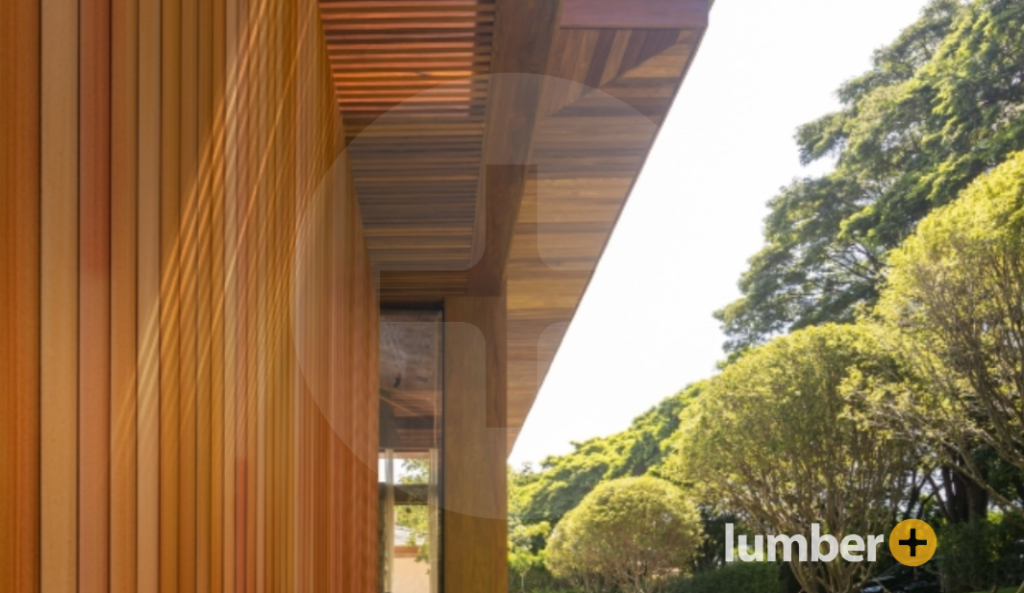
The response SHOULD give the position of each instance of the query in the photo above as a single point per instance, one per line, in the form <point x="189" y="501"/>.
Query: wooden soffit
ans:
<point x="494" y="142"/>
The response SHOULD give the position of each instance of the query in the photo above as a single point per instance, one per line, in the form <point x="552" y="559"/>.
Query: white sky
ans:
<point x="645" y="327"/>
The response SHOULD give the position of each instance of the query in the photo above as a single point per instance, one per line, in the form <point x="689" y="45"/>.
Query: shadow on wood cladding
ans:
<point x="157" y="161"/>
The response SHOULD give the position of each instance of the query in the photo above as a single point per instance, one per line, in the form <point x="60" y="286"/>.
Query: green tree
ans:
<point x="776" y="438"/>
<point x="524" y="556"/>
<point x="564" y="480"/>
<point x="629" y="534"/>
<point x="941" y="105"/>
<point x="953" y="306"/>
<point x="525" y="541"/>
<point x="415" y="517"/>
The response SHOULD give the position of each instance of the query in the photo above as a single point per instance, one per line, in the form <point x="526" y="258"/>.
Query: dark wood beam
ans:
<point x="404" y="287"/>
<point x="524" y="31"/>
<point x="635" y="14"/>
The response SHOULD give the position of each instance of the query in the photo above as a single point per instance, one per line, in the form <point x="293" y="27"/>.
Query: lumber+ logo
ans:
<point x="912" y="542"/>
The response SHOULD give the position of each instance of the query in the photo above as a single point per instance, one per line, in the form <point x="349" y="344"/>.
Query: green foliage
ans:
<point x="777" y="439"/>
<point x="980" y="555"/>
<point x="522" y="562"/>
<point x="849" y="425"/>
<point x="941" y="105"/>
<point x="629" y="534"/>
<point x="538" y="580"/>
<point x="953" y="306"/>
<point x="566" y="479"/>
<point x="525" y="546"/>
<point x="415" y="518"/>
<point x="736" y="577"/>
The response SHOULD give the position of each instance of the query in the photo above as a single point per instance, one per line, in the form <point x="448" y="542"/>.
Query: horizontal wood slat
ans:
<point x="589" y="148"/>
<point x="409" y="77"/>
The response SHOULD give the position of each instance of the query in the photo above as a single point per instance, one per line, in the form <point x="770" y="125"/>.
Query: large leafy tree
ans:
<point x="564" y="480"/>
<point x="777" y="439"/>
<point x="941" y="105"/>
<point x="628" y="534"/>
<point x="953" y="305"/>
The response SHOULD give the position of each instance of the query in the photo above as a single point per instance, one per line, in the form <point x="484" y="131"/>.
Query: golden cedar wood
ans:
<point x="407" y="69"/>
<point x="94" y="313"/>
<point x="124" y="222"/>
<point x="19" y="295"/>
<point x="186" y="150"/>
<point x="418" y="179"/>
<point x="170" y="280"/>
<point x="148" y="290"/>
<point x="59" y="195"/>
<point x="187" y="240"/>
<point x="522" y="45"/>
<point x="167" y="216"/>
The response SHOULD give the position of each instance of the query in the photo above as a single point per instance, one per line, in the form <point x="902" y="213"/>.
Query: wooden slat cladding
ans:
<point x="386" y="52"/>
<point x="188" y="334"/>
<point x="410" y="78"/>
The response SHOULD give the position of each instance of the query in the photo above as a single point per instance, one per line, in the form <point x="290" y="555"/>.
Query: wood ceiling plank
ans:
<point x="635" y="14"/>
<point x="597" y="130"/>
<point x="524" y="33"/>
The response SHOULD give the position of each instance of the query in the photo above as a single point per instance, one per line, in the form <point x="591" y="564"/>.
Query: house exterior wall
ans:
<point x="188" y="320"/>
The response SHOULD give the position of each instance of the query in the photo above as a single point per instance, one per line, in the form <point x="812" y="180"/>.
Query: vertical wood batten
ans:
<point x="124" y="442"/>
<point x="148" y="293"/>
<point x="94" y="360"/>
<point x="206" y="201"/>
<point x="230" y="292"/>
<point x="188" y="296"/>
<point x="217" y="278"/>
<point x="170" y="301"/>
<point x="59" y="297"/>
<point x="19" y="295"/>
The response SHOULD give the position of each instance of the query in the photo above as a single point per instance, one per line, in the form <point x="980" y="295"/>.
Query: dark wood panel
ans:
<point x="522" y="46"/>
<point x="635" y="14"/>
<point x="600" y="119"/>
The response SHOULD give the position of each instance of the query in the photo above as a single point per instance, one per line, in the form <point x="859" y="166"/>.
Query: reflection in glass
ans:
<point x="410" y="439"/>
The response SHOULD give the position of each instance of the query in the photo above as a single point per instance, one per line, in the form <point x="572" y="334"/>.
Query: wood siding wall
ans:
<point x="188" y="322"/>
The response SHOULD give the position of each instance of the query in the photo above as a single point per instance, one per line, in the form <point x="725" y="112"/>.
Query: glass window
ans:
<point x="410" y="444"/>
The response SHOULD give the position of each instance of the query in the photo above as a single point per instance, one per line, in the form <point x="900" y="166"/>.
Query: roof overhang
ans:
<point x="494" y="143"/>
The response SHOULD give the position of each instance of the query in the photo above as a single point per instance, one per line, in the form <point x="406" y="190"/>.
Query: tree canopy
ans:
<point x="876" y="355"/>
<point x="953" y="305"/>
<point x="564" y="480"/>
<point x="940" y="105"/>
<point x="628" y="534"/>
<point x="776" y="439"/>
